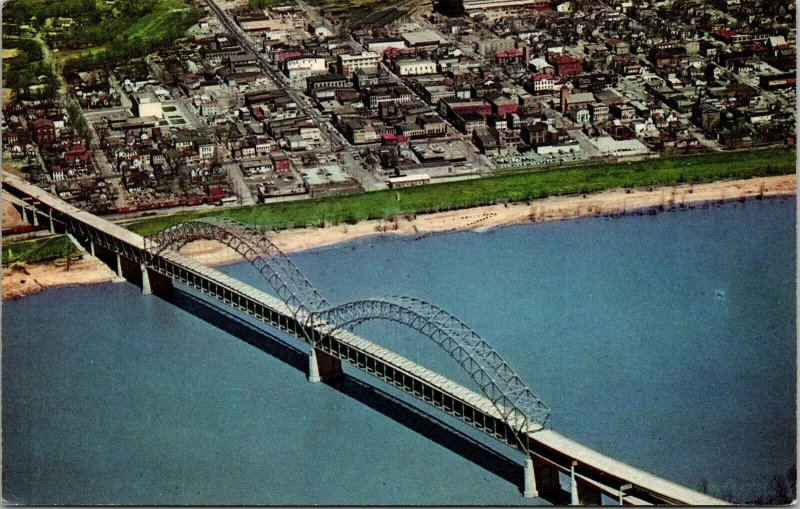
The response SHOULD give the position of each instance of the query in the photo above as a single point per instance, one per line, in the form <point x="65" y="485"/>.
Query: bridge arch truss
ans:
<point x="511" y="397"/>
<point x="516" y="404"/>
<point x="252" y="245"/>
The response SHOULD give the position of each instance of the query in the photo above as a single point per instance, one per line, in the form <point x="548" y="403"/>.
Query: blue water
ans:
<point x="666" y="341"/>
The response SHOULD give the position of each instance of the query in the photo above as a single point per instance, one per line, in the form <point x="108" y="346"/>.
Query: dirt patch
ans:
<point x="21" y="280"/>
<point x="11" y="216"/>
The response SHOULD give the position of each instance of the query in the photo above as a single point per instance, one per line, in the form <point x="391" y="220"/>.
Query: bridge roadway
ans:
<point x="591" y="473"/>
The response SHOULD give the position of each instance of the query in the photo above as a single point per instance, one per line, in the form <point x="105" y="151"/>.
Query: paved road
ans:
<point x="586" y="146"/>
<point x="356" y="167"/>
<point x="336" y="138"/>
<point x="238" y="182"/>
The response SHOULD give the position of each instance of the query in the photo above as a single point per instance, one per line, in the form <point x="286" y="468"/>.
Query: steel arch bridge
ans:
<point x="510" y="396"/>
<point x="277" y="269"/>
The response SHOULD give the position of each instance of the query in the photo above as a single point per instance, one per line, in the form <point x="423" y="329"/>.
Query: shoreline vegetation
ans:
<point x="24" y="279"/>
<point x="38" y="250"/>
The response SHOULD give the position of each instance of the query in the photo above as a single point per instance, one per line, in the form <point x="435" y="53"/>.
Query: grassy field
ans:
<point x="38" y="250"/>
<point x="134" y="34"/>
<point x="507" y="188"/>
<point x="86" y="34"/>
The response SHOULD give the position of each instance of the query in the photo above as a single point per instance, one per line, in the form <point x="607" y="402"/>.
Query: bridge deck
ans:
<point x="65" y="208"/>
<point x="432" y="378"/>
<point x="543" y="440"/>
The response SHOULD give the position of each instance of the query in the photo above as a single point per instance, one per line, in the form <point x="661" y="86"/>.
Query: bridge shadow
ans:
<point x="249" y="333"/>
<point x="402" y="412"/>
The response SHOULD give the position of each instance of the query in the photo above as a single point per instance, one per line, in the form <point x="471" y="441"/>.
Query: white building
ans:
<point x="580" y="114"/>
<point x="543" y="82"/>
<point x="310" y="133"/>
<point x="409" y="180"/>
<point x="422" y="38"/>
<point x="295" y="143"/>
<point x="609" y="146"/>
<point x="206" y="150"/>
<point x="474" y="5"/>
<point x="147" y="105"/>
<point x="305" y="66"/>
<point x="414" y="67"/>
<point x="349" y="64"/>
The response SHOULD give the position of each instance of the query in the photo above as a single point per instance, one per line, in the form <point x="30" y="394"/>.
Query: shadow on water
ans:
<point x="235" y="326"/>
<point x="408" y="415"/>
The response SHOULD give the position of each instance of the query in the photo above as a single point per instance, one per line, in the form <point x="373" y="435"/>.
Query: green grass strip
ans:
<point x="38" y="250"/>
<point x="500" y="189"/>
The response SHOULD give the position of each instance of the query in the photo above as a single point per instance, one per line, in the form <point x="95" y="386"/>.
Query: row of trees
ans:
<point x="85" y="12"/>
<point x="78" y="121"/>
<point x="83" y="35"/>
<point x="35" y="13"/>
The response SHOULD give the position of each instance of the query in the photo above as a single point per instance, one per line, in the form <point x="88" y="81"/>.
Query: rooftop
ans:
<point x="145" y="97"/>
<point x="421" y="37"/>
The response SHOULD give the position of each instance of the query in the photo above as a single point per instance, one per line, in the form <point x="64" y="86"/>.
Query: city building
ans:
<point x="413" y="67"/>
<point x="409" y="180"/>
<point x="146" y="104"/>
<point x="366" y="60"/>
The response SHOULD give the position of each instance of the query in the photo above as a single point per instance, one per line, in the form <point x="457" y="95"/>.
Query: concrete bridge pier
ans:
<point x="50" y="216"/>
<point x="153" y="282"/>
<point x="118" y="267"/>
<point x="322" y="366"/>
<point x="581" y="492"/>
<point x="622" y="493"/>
<point x="573" y="486"/>
<point x="23" y="212"/>
<point x="530" y="490"/>
<point x="35" y="217"/>
<point x="544" y="481"/>
<point x="146" y="289"/>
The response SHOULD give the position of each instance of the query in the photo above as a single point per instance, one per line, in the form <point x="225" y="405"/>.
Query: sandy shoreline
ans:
<point x="614" y="202"/>
<point x="605" y="203"/>
<point x="26" y="279"/>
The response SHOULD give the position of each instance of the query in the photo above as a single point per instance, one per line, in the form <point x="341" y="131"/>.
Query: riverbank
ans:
<point x="26" y="279"/>
<point x="510" y="187"/>
<point x="614" y="202"/>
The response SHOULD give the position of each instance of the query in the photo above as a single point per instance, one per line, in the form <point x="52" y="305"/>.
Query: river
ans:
<point x="666" y="341"/>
